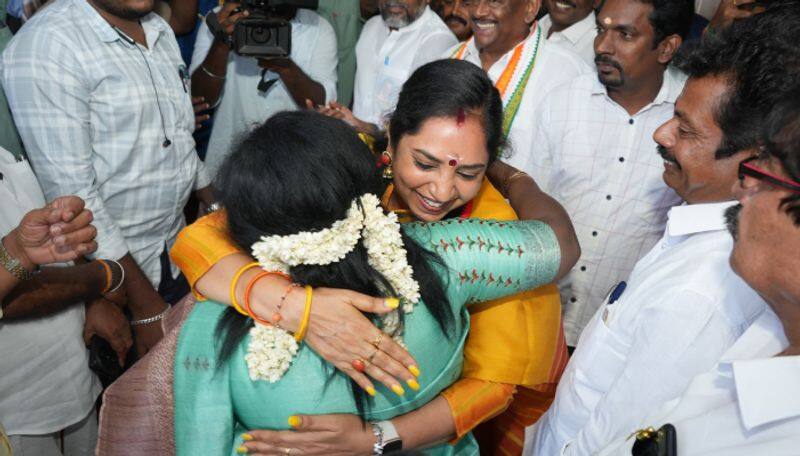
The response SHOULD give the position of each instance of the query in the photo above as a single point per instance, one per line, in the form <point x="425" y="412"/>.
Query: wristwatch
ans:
<point x="13" y="265"/>
<point x="213" y="207"/>
<point x="388" y="441"/>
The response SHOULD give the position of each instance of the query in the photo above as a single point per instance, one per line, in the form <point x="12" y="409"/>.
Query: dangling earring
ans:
<point x="386" y="161"/>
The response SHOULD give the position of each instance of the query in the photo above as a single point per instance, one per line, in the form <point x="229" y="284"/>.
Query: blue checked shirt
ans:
<point x="86" y="102"/>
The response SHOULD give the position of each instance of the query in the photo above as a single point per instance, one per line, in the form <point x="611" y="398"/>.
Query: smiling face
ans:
<point x="564" y="13"/>
<point x="454" y="14"/>
<point x="623" y="48"/>
<point x="499" y="25"/>
<point x="441" y="167"/>
<point x="400" y="13"/>
<point x="688" y="143"/>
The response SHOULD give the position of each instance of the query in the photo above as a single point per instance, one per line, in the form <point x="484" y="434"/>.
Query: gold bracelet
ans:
<point x="515" y="175"/>
<point x="301" y="331"/>
<point x="235" y="280"/>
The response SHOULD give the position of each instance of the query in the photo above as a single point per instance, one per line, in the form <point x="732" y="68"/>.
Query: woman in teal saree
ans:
<point x="305" y="173"/>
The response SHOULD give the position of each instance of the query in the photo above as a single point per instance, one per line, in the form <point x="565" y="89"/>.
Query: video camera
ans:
<point x="266" y="32"/>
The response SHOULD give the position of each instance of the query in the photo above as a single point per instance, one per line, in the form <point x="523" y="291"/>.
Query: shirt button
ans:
<point x="594" y="233"/>
<point x="608" y="197"/>
<point x="630" y="121"/>
<point x="572" y="299"/>
<point x="621" y="159"/>
<point x="583" y="268"/>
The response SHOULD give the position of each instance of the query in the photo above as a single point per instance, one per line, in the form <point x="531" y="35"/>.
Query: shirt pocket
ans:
<point x="600" y="364"/>
<point x="387" y="88"/>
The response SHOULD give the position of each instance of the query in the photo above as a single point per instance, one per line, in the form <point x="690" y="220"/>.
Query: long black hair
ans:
<point x="300" y="171"/>
<point x="445" y="88"/>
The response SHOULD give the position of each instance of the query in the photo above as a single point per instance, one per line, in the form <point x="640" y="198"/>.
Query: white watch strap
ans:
<point x="390" y="433"/>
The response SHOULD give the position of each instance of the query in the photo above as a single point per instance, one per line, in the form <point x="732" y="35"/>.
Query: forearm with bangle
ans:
<point x="57" y="288"/>
<point x="209" y="79"/>
<point x="271" y="298"/>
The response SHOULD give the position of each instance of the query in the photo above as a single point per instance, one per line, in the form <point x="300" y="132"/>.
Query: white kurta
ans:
<point x="683" y="307"/>
<point x="555" y="66"/>
<point x="386" y="58"/>
<point x="749" y="404"/>
<point x="45" y="381"/>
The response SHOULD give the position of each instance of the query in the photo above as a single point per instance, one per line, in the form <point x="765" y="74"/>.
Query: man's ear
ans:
<point x="532" y="10"/>
<point x="668" y="47"/>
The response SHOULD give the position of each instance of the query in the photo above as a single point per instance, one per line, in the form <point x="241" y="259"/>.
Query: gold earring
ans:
<point x="386" y="161"/>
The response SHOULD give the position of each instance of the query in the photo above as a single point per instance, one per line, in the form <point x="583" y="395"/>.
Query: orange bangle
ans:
<point x="107" y="268"/>
<point x="249" y="289"/>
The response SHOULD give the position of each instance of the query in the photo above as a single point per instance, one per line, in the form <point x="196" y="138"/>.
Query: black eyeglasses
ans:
<point x="747" y="168"/>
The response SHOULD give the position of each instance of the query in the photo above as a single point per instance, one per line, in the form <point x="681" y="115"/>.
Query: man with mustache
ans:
<point x="571" y="23"/>
<point x="454" y="14"/>
<point x="406" y="35"/>
<point x="748" y="403"/>
<point x="682" y="307"/>
<point x="594" y="149"/>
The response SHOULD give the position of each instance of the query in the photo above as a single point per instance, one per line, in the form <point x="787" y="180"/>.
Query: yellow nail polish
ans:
<point x="398" y="390"/>
<point x="413" y="384"/>
<point x="371" y="391"/>
<point x="414" y="370"/>
<point x="392" y="303"/>
<point x="247" y="437"/>
<point x="241" y="450"/>
<point x="294" y="421"/>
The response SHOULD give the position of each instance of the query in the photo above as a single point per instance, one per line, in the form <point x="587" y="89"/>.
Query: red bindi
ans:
<point x="452" y="162"/>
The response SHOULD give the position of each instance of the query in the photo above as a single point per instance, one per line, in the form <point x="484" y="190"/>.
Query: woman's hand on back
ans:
<point x="339" y="332"/>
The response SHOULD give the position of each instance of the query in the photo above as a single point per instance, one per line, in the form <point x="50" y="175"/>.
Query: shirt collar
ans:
<point x="690" y="219"/>
<point x="473" y="55"/>
<point x="767" y="389"/>
<point x="574" y="32"/>
<point x="153" y="25"/>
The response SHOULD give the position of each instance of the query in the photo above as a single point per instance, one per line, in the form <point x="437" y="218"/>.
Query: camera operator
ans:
<point x="248" y="90"/>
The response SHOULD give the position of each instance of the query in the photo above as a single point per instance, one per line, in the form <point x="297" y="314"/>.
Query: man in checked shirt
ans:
<point x="100" y="95"/>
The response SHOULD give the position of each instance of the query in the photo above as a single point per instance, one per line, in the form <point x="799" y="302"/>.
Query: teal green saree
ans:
<point x="484" y="260"/>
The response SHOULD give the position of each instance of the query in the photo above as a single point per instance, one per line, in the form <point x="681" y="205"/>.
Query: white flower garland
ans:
<point x="272" y="349"/>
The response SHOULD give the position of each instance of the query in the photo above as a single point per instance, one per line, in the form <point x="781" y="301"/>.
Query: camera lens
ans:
<point x="260" y="35"/>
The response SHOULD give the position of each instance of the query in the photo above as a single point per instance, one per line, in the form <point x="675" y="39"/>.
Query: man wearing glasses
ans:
<point x="750" y="402"/>
<point x="683" y="306"/>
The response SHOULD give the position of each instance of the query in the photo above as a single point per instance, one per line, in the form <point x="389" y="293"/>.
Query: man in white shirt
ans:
<point x="406" y="35"/>
<point x="682" y="306"/>
<point x="47" y="391"/>
<point x="99" y="94"/>
<point x="247" y="90"/>
<point x="595" y="148"/>
<point x="512" y="48"/>
<point x="571" y="23"/>
<point x="749" y="403"/>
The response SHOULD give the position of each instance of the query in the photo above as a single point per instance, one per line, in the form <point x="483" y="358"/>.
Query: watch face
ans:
<point x="394" y="445"/>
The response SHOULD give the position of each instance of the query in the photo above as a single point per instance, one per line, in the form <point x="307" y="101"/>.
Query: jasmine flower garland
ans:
<point x="271" y="349"/>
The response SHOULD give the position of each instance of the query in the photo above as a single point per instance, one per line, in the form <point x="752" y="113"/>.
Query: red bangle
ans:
<point x="249" y="288"/>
